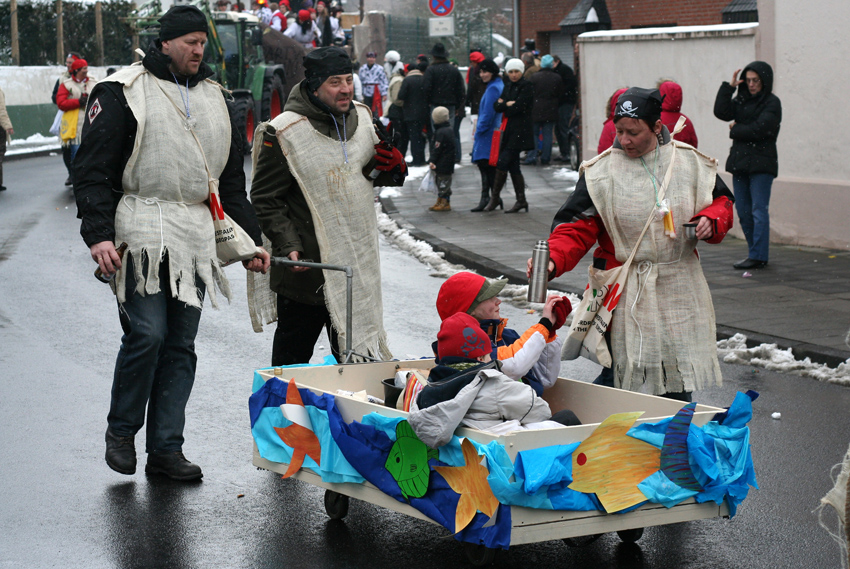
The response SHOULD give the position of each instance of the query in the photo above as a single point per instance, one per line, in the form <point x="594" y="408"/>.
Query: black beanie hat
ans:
<point x="489" y="65"/>
<point x="181" y="20"/>
<point x="324" y="62"/>
<point x="638" y="103"/>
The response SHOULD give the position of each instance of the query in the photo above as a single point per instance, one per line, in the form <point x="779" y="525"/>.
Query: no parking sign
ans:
<point x="441" y="7"/>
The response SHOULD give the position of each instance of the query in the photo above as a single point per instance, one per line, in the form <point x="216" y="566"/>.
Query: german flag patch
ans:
<point x="267" y="143"/>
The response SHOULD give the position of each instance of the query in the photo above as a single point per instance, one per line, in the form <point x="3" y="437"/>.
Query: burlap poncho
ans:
<point x="663" y="336"/>
<point x="164" y="209"/>
<point x="342" y="204"/>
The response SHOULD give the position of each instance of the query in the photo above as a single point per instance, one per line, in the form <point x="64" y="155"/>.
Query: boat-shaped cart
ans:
<point x="642" y="455"/>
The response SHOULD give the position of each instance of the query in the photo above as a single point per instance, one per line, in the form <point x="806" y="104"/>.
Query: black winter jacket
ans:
<point x="570" y="83"/>
<point x="548" y="94"/>
<point x="444" y="85"/>
<point x="756" y="128"/>
<point x="519" y="132"/>
<point x="444" y="149"/>
<point x="412" y="96"/>
<point x="107" y="144"/>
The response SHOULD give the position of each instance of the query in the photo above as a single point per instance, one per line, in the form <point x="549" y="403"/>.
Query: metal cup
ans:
<point x="690" y="230"/>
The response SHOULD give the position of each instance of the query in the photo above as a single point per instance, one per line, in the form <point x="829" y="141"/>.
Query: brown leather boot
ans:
<point x="437" y="204"/>
<point x="519" y="187"/>
<point x="498" y="184"/>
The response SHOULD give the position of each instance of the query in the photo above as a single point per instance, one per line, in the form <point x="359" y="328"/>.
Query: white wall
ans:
<point x="699" y="58"/>
<point x="34" y="85"/>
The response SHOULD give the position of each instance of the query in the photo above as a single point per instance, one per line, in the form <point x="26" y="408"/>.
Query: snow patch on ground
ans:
<point x="770" y="357"/>
<point x="417" y="172"/>
<point x="566" y="174"/>
<point x="34" y="143"/>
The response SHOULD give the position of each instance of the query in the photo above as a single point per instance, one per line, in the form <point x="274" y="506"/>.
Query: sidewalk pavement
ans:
<point x="801" y="300"/>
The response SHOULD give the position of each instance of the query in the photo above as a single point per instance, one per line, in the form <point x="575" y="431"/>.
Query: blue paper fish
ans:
<point x="674" y="453"/>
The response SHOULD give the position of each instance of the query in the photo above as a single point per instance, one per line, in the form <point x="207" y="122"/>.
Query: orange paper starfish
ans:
<point x="302" y="439"/>
<point x="470" y="481"/>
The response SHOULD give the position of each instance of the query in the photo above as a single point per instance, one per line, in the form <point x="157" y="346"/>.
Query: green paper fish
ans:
<point x="408" y="462"/>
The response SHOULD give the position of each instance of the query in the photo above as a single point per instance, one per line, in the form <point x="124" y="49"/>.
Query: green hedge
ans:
<point x="37" y="32"/>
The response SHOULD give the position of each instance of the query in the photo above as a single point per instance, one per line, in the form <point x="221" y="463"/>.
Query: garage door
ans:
<point x="562" y="45"/>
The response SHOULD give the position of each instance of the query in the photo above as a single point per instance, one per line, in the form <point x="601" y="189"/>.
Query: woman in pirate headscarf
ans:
<point x="662" y="337"/>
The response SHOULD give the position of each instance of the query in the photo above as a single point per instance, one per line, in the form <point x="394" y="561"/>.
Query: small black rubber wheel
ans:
<point x="582" y="540"/>
<point x="336" y="505"/>
<point x="575" y="154"/>
<point x="479" y="555"/>
<point x="630" y="535"/>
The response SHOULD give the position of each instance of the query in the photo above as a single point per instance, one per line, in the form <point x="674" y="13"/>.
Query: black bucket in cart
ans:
<point x="391" y="392"/>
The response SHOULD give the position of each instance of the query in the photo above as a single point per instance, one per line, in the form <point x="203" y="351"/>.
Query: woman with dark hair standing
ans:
<point x="755" y="113"/>
<point x="488" y="121"/>
<point x="515" y="103"/>
<point x="662" y="336"/>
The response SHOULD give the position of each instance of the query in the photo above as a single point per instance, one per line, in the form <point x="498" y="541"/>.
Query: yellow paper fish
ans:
<point x="470" y="481"/>
<point x="611" y="463"/>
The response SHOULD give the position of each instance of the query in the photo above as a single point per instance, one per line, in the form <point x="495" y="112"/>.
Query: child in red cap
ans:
<point x="468" y="388"/>
<point x="534" y="357"/>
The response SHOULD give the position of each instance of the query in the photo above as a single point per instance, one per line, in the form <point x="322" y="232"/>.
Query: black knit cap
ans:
<point x="489" y="65"/>
<point x="181" y="20"/>
<point x="325" y="62"/>
<point x="638" y="103"/>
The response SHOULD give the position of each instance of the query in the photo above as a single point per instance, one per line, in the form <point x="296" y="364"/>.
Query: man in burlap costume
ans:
<point x="662" y="334"/>
<point x="141" y="180"/>
<point x="314" y="170"/>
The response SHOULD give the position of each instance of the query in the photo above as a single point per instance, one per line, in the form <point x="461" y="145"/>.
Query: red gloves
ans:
<point x="388" y="158"/>
<point x="561" y="310"/>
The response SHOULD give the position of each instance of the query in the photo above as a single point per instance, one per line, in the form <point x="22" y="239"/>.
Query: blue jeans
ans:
<point x="752" y="200"/>
<point x="545" y="146"/>
<point x="156" y="364"/>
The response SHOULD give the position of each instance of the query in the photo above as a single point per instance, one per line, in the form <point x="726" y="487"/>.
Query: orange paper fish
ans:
<point x="299" y="435"/>
<point x="470" y="481"/>
<point x="611" y="464"/>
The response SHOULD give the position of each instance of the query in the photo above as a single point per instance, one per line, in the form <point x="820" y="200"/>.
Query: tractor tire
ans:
<point x="245" y="123"/>
<point x="274" y="96"/>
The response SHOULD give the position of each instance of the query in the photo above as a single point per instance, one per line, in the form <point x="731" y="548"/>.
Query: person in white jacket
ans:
<point x="469" y="389"/>
<point x="304" y="30"/>
<point x="535" y="356"/>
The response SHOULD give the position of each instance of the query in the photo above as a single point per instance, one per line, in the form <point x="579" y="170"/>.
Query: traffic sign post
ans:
<point x="441" y="7"/>
<point x="441" y="27"/>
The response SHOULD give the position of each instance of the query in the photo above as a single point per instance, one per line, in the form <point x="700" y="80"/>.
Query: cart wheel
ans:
<point x="478" y="554"/>
<point x="336" y="504"/>
<point x="630" y="535"/>
<point x="581" y="541"/>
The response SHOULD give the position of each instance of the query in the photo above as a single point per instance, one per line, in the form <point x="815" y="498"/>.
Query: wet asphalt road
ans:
<point x="60" y="506"/>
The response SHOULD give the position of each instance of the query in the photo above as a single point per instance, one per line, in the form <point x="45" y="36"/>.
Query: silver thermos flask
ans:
<point x="538" y="284"/>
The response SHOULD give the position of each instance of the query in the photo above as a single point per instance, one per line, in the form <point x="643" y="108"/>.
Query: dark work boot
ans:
<point x="498" y="184"/>
<point x="519" y="187"/>
<point x="120" y="453"/>
<point x="174" y="465"/>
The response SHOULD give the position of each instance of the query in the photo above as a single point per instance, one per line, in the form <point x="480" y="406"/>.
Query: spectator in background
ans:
<point x="358" y="86"/>
<point x="262" y="11"/>
<point x="488" y="121"/>
<point x="66" y="150"/>
<point x="515" y="103"/>
<point x="422" y="58"/>
<point x="566" y="108"/>
<point x="670" y="108"/>
<point x="475" y="87"/>
<point x="74" y="94"/>
<point x="548" y="94"/>
<point x="392" y="62"/>
<point x="609" y="131"/>
<point x="531" y="66"/>
<point x="444" y="87"/>
<point x="328" y="25"/>
<point x="278" y="17"/>
<point x="6" y="132"/>
<point x="395" y="112"/>
<point x="411" y="97"/>
<point x="304" y="30"/>
<point x="375" y="84"/>
<point x="748" y="101"/>
<point x="443" y="158"/>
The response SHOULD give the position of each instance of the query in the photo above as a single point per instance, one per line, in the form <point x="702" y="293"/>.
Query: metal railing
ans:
<point x="349" y="297"/>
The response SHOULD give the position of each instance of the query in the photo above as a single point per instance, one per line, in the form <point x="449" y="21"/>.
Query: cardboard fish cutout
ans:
<point x="674" y="453"/>
<point x="611" y="464"/>
<point x="408" y="462"/>
<point x="299" y="435"/>
<point x="470" y="481"/>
